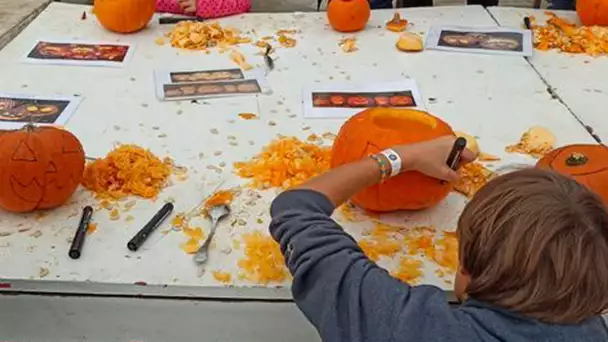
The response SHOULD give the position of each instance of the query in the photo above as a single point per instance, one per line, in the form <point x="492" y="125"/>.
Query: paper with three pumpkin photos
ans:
<point x="18" y="110"/>
<point x="201" y="84"/>
<point x="337" y="101"/>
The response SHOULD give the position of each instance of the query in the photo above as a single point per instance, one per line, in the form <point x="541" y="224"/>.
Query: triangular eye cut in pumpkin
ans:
<point x="51" y="168"/>
<point x="24" y="153"/>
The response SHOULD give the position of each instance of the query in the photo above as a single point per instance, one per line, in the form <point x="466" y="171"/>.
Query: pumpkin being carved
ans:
<point x="593" y="12"/>
<point x="124" y="16"/>
<point x="376" y="129"/>
<point x="588" y="164"/>
<point x="348" y="15"/>
<point x="40" y="168"/>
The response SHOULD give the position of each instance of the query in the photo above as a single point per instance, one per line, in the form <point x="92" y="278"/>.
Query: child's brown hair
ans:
<point x="536" y="242"/>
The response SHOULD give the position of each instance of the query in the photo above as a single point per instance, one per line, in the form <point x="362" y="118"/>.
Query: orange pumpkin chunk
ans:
<point x="396" y="24"/>
<point x="222" y="277"/>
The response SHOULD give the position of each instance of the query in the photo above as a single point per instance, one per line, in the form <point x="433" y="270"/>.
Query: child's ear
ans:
<point x="461" y="283"/>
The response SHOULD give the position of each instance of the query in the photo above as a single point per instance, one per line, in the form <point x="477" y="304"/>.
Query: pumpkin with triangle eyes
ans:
<point x="40" y="168"/>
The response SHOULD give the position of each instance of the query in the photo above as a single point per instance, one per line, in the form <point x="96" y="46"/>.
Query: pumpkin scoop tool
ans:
<point x="217" y="213"/>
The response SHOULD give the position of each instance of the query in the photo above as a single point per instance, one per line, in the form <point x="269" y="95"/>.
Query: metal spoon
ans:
<point x="217" y="213"/>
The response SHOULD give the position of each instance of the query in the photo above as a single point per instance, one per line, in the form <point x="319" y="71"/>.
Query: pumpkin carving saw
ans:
<point x="40" y="168"/>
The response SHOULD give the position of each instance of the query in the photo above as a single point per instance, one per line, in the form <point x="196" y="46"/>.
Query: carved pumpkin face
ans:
<point x="40" y="168"/>
<point x="376" y="129"/>
<point x="124" y="16"/>
<point x="588" y="164"/>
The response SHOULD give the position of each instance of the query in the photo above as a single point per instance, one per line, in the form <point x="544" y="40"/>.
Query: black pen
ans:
<point x="455" y="153"/>
<point x="150" y="227"/>
<point x="527" y="23"/>
<point x="81" y="232"/>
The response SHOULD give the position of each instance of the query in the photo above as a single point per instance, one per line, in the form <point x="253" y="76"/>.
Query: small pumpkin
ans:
<point x="593" y="12"/>
<point x="124" y="16"/>
<point x="587" y="163"/>
<point x="40" y="168"/>
<point x="348" y="15"/>
<point x="376" y="129"/>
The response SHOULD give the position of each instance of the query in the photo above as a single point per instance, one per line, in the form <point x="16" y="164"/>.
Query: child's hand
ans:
<point x="189" y="6"/>
<point x="430" y="158"/>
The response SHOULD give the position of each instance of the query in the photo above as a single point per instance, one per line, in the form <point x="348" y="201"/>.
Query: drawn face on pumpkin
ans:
<point x="39" y="169"/>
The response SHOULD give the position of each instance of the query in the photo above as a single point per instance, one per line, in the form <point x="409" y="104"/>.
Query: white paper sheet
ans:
<point x="494" y="40"/>
<point x="334" y="101"/>
<point x="165" y="80"/>
<point x="18" y="110"/>
<point x="46" y="51"/>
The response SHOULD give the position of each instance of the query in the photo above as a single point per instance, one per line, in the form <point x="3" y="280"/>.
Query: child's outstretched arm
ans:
<point x="345" y="295"/>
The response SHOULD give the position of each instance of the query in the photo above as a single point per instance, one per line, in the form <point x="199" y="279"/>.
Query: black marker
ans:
<point x="78" y="241"/>
<point x="454" y="156"/>
<point x="176" y="19"/>
<point x="150" y="227"/>
<point x="527" y="23"/>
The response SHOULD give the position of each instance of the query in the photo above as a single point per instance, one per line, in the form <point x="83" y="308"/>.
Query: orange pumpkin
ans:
<point x="40" y="168"/>
<point x="588" y="164"/>
<point x="376" y="129"/>
<point x="348" y="15"/>
<point x="124" y="16"/>
<point x="593" y="12"/>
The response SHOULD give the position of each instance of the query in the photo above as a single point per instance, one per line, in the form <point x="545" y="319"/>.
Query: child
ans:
<point x="533" y="255"/>
<point x="203" y="8"/>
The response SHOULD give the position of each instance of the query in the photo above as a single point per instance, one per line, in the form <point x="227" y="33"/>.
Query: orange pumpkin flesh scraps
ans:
<point x="194" y="35"/>
<point x="127" y="170"/>
<point x="409" y="244"/>
<point x="473" y="177"/>
<point x="376" y="129"/>
<point x="396" y="24"/>
<point x="285" y="163"/>
<point x="124" y="16"/>
<point x="348" y="15"/>
<point x="40" y="168"/>
<point x="588" y="164"/>
<point x="563" y="35"/>
<point x="536" y="141"/>
<point x="263" y="262"/>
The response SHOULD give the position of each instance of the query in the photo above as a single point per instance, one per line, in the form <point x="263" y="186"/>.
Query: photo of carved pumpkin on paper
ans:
<point x="26" y="111"/>
<point x="79" y="51"/>
<point x="508" y="41"/>
<point x="402" y="99"/>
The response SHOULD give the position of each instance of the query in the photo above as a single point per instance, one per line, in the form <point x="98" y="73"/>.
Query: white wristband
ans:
<point x="394" y="160"/>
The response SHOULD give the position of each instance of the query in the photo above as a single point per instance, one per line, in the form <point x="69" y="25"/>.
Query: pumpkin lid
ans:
<point x="578" y="160"/>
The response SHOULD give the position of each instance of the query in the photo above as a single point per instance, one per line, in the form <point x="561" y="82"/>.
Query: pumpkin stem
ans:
<point x="576" y="159"/>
